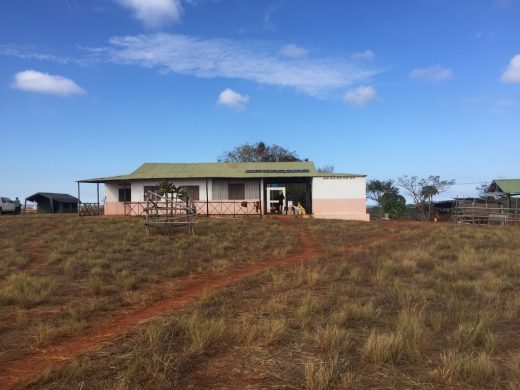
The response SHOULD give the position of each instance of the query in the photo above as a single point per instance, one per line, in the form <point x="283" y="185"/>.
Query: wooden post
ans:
<point x="260" y="196"/>
<point x="79" y="201"/>
<point x="124" y="196"/>
<point x="207" y="199"/>
<point x="25" y="207"/>
<point x="97" y="198"/>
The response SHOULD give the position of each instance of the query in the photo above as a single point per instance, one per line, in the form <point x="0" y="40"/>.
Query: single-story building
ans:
<point x="49" y="202"/>
<point x="250" y="188"/>
<point x="506" y="191"/>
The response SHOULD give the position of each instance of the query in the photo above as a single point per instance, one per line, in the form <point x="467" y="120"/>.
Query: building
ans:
<point x="506" y="191"/>
<point x="49" y="202"/>
<point x="241" y="188"/>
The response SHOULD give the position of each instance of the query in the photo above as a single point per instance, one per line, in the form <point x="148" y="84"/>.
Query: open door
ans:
<point x="272" y="199"/>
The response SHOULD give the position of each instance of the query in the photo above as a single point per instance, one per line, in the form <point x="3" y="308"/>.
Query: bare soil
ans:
<point x="20" y="370"/>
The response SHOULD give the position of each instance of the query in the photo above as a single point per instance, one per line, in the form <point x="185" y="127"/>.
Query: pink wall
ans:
<point x="214" y="208"/>
<point x="354" y="209"/>
<point x="114" y="208"/>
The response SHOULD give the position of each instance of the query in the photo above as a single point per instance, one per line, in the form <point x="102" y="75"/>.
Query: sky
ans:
<point x="92" y="88"/>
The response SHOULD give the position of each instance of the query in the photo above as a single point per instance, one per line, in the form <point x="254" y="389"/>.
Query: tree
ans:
<point x="394" y="204"/>
<point x="258" y="152"/>
<point x="326" y="169"/>
<point x="381" y="191"/>
<point x="423" y="190"/>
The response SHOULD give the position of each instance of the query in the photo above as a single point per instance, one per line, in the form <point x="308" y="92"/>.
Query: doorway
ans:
<point x="272" y="199"/>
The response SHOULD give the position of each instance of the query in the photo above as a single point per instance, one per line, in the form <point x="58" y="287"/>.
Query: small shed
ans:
<point x="507" y="190"/>
<point x="49" y="202"/>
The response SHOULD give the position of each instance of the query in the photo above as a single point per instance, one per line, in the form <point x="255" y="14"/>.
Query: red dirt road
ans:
<point x="18" y="371"/>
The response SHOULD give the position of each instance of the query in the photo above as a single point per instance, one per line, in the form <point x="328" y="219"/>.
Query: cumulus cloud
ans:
<point x="360" y="96"/>
<point x="154" y="13"/>
<point x="211" y="58"/>
<point x="512" y="73"/>
<point x="366" y="55"/>
<point x="433" y="74"/>
<point x="293" y="51"/>
<point x="232" y="99"/>
<point x="34" y="81"/>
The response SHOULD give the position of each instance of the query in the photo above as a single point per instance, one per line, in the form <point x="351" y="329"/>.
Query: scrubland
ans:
<point x="380" y="305"/>
<point x="61" y="274"/>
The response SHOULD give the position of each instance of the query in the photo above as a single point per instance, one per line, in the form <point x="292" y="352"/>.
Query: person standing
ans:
<point x="18" y="206"/>
<point x="281" y="198"/>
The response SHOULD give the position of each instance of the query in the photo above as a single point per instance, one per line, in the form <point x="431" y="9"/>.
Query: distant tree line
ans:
<point x="421" y="190"/>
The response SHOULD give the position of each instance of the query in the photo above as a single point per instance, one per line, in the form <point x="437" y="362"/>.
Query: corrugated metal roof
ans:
<point x="221" y="170"/>
<point x="64" y="198"/>
<point x="509" y="186"/>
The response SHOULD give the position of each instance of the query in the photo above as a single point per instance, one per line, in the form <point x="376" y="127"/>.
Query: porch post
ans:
<point x="207" y="199"/>
<point x="260" y="182"/>
<point x="308" y="190"/>
<point x="97" y="198"/>
<point x="124" y="197"/>
<point x="79" y="201"/>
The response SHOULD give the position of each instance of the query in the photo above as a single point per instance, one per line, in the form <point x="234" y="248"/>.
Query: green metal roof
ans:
<point x="509" y="186"/>
<point x="220" y="170"/>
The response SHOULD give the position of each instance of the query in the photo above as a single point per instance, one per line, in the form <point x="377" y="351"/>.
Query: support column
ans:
<point x="207" y="199"/>
<point x="260" y="182"/>
<point x="79" y="201"/>
<point x="308" y="194"/>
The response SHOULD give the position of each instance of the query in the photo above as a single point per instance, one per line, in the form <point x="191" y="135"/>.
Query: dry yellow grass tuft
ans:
<point x="383" y="305"/>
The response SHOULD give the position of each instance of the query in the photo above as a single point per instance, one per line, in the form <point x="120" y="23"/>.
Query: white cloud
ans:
<point x="512" y="73"/>
<point x="434" y="74"/>
<point x="366" y="55"/>
<point x="293" y="51"/>
<point x="232" y="99"/>
<point x="360" y="96"/>
<point x="34" y="81"/>
<point x="211" y="58"/>
<point x="154" y="13"/>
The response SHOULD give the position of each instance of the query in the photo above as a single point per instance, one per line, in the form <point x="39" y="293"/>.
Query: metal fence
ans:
<point x="226" y="208"/>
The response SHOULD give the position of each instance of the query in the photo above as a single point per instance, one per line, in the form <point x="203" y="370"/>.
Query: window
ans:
<point x="125" y="195"/>
<point x="236" y="191"/>
<point x="152" y="189"/>
<point x="193" y="192"/>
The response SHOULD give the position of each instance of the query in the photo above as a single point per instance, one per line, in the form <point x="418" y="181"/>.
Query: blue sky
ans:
<point x="386" y="88"/>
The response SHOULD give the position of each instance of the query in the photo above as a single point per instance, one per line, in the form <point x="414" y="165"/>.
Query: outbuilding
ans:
<point x="506" y="191"/>
<point x="49" y="202"/>
<point x="250" y="188"/>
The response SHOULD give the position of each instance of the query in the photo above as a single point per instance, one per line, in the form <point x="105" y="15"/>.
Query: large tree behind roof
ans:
<point x="259" y="152"/>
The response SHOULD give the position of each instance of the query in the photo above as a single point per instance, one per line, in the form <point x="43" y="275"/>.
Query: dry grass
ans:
<point x="386" y="305"/>
<point x="61" y="274"/>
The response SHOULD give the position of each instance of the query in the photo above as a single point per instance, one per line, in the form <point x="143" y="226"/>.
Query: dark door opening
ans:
<point x="297" y="190"/>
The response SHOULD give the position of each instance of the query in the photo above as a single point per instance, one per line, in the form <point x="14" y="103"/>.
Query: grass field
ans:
<point x="378" y="305"/>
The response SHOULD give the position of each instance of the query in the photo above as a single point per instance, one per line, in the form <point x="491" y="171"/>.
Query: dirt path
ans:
<point x="28" y="367"/>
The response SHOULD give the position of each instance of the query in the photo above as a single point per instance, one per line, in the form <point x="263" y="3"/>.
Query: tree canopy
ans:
<point x="422" y="191"/>
<point x="259" y="152"/>
<point x="326" y="169"/>
<point x="384" y="193"/>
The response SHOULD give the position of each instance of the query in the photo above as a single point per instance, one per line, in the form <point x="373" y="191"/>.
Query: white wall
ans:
<point x="220" y="188"/>
<point x="138" y="187"/>
<point x="338" y="187"/>
<point x="111" y="192"/>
